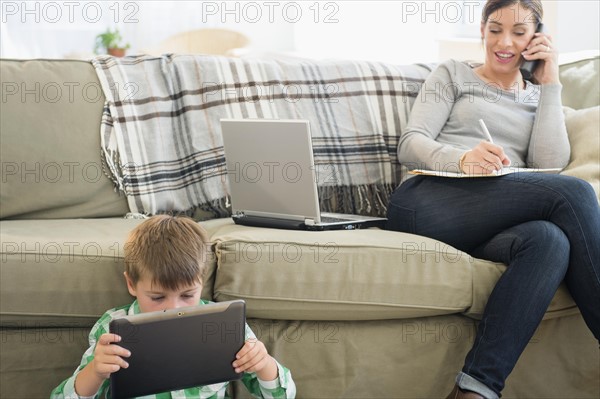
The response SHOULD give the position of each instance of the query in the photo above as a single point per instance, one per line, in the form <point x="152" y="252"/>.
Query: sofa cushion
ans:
<point x="350" y="275"/>
<point x="68" y="271"/>
<point x="581" y="81"/>
<point x="583" y="127"/>
<point x="50" y="135"/>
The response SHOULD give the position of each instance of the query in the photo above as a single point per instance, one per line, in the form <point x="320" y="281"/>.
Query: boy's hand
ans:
<point x="108" y="357"/>
<point x="253" y="357"/>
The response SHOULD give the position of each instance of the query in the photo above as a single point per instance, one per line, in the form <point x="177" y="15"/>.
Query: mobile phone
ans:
<point x="528" y="67"/>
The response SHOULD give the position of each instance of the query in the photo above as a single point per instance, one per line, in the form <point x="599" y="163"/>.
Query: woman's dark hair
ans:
<point x="535" y="6"/>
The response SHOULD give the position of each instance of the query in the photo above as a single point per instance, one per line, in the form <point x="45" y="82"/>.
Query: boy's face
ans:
<point x="152" y="297"/>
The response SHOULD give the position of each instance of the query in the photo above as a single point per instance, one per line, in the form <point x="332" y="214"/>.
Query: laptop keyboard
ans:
<point x="329" y="219"/>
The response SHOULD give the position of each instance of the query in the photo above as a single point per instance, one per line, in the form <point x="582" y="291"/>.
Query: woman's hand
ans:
<point x="541" y="48"/>
<point x="484" y="158"/>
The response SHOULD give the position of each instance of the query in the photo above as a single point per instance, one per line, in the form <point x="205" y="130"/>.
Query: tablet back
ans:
<point x="179" y="348"/>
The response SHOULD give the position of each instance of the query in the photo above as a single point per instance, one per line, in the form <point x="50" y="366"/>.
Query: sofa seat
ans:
<point x="368" y="274"/>
<point x="286" y="275"/>
<point x="45" y="256"/>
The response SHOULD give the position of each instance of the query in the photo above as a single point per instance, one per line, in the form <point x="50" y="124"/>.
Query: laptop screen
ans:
<point x="270" y="168"/>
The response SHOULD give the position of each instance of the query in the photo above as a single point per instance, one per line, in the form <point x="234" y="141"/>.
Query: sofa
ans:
<point x="354" y="314"/>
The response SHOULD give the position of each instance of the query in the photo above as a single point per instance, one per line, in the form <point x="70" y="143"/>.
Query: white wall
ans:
<point x="375" y="30"/>
<point x="394" y="31"/>
<point x="573" y="24"/>
<point x="55" y="29"/>
<point x="577" y="24"/>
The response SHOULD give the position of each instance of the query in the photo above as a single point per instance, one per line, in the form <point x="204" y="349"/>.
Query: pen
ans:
<point x="486" y="132"/>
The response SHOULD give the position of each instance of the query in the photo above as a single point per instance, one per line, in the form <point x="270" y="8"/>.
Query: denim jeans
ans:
<point x="545" y="228"/>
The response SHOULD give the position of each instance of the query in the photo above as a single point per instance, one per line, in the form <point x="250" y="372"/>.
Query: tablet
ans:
<point x="179" y="348"/>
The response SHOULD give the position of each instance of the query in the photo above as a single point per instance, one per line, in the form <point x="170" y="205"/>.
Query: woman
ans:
<point x="545" y="228"/>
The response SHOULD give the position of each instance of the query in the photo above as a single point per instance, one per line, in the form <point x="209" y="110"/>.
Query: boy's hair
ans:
<point x="170" y="250"/>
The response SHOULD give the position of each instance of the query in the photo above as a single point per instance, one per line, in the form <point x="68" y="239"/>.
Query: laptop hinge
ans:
<point x="309" y="222"/>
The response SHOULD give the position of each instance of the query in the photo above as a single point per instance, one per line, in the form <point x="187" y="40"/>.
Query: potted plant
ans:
<point x="111" y="43"/>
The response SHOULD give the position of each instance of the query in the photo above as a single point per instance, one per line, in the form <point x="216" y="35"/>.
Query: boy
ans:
<point x="165" y="269"/>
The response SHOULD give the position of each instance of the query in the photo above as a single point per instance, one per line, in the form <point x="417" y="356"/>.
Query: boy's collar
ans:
<point x="134" y="308"/>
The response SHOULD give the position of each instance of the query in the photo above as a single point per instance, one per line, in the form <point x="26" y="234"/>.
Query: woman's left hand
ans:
<point x="541" y="48"/>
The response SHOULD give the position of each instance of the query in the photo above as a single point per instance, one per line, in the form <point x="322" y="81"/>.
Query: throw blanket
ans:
<point x="161" y="134"/>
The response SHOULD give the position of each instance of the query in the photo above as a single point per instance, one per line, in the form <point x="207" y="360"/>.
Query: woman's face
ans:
<point x="506" y="33"/>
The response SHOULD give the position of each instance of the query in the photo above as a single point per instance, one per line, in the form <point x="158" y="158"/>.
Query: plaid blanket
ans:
<point x="161" y="135"/>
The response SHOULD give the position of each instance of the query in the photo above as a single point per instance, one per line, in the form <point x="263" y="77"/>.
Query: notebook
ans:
<point x="273" y="178"/>
<point x="179" y="348"/>
<point x="502" y="172"/>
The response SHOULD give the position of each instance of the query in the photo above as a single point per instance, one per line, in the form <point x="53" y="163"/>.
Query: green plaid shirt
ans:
<point x="282" y="387"/>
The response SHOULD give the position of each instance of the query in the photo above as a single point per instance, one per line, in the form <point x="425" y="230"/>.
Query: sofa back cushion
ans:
<point x="580" y="78"/>
<point x="583" y="126"/>
<point x="50" y="135"/>
<point x="50" y="152"/>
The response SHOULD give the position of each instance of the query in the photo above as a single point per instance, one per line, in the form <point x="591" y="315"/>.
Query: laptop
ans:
<point x="179" y="348"/>
<point x="273" y="177"/>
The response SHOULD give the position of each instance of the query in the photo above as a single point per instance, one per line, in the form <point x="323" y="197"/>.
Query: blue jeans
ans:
<point x="545" y="228"/>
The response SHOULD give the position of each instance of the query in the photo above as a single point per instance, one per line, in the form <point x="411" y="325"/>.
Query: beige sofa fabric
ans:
<point x="352" y="275"/>
<point x="583" y="127"/>
<point x="419" y="358"/>
<point x="41" y="259"/>
<point x="34" y="360"/>
<point x="41" y="256"/>
<point x="581" y="83"/>
<point x="50" y="135"/>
